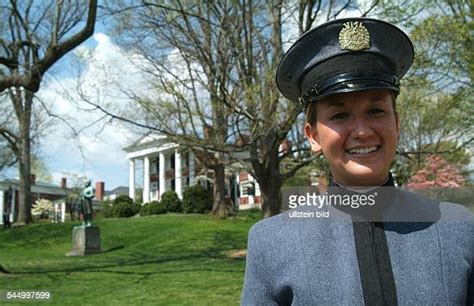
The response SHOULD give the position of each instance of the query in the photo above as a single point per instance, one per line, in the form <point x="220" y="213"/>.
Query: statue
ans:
<point x="87" y="194"/>
<point x="86" y="237"/>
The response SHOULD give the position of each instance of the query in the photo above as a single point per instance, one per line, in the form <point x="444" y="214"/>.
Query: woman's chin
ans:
<point x="365" y="176"/>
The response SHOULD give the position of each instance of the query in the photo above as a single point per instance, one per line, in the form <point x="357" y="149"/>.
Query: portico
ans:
<point x="168" y="166"/>
<point x="165" y="167"/>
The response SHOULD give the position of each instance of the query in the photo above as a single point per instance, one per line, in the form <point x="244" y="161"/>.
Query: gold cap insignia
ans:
<point x="354" y="36"/>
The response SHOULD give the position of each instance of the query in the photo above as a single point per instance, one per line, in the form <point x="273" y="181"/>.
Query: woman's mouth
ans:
<point x="363" y="150"/>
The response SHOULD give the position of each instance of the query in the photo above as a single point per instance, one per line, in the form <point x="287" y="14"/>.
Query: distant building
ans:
<point x="121" y="190"/>
<point x="9" y="196"/>
<point x="166" y="166"/>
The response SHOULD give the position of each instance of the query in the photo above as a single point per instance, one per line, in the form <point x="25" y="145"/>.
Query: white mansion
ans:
<point x="167" y="167"/>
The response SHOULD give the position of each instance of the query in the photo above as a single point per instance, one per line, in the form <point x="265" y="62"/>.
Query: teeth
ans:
<point x="362" y="150"/>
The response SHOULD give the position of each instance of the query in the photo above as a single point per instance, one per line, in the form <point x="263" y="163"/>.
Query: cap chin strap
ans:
<point x="324" y="87"/>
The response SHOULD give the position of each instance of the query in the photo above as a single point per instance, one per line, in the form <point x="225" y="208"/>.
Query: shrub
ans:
<point x="42" y="208"/>
<point x="196" y="199"/>
<point x="124" y="207"/>
<point x="152" y="208"/>
<point x="144" y="210"/>
<point x="123" y="210"/>
<point x="171" y="202"/>
<point x="123" y="199"/>
<point x="136" y="207"/>
<point x="106" y="210"/>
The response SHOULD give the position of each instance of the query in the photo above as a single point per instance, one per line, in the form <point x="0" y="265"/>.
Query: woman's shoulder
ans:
<point x="447" y="210"/>
<point x="268" y="226"/>
<point x="299" y="219"/>
<point x="452" y="222"/>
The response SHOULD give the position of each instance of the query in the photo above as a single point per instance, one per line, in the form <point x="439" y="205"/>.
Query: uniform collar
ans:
<point x="389" y="182"/>
<point x="383" y="196"/>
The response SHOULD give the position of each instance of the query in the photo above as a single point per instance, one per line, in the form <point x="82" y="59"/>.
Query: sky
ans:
<point x="98" y="151"/>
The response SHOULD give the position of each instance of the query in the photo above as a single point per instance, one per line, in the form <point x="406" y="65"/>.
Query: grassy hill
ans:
<point x="165" y="259"/>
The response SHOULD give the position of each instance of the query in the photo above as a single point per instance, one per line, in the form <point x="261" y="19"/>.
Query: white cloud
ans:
<point x="97" y="152"/>
<point x="290" y="26"/>
<point x="102" y="39"/>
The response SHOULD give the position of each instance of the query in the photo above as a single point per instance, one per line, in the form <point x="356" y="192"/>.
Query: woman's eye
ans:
<point x="376" y="111"/>
<point x="339" y="116"/>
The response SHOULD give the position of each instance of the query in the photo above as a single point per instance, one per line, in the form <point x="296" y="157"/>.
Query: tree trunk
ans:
<point x="27" y="65"/>
<point x="267" y="173"/>
<point x="24" y="210"/>
<point x="220" y="208"/>
<point x="270" y="186"/>
<point x="271" y="204"/>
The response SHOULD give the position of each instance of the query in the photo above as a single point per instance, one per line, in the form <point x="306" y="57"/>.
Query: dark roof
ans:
<point x="13" y="181"/>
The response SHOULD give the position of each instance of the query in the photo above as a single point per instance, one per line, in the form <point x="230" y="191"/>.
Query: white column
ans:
<point x="63" y="212"/>
<point x="177" y="174"/>
<point x="162" y="178"/>
<point x="13" y="203"/>
<point x="251" y="180"/>
<point x="131" y="179"/>
<point x="146" y="179"/>
<point x="55" y="218"/>
<point x="251" y="197"/>
<point x="237" y="187"/>
<point x="192" y="168"/>
<point x="2" y="203"/>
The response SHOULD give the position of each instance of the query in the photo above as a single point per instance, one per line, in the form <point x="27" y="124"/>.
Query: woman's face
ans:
<point x="357" y="133"/>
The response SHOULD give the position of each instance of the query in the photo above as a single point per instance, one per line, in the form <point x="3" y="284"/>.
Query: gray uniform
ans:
<point x="319" y="262"/>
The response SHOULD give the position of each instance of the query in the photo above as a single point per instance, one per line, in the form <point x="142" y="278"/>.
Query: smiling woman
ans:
<point x="357" y="132"/>
<point x="398" y="248"/>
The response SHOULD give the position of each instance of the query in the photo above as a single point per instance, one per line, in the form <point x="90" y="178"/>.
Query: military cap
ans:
<point x="344" y="55"/>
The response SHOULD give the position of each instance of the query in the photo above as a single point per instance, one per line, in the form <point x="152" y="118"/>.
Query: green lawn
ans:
<point x="166" y="259"/>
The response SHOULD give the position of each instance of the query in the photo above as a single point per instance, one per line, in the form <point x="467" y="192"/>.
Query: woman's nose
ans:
<point x="361" y="127"/>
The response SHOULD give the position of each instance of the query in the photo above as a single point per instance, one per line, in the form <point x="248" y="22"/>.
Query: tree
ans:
<point x="444" y="46"/>
<point x="34" y="36"/>
<point x="310" y="174"/>
<point x="8" y="144"/>
<point x="7" y="156"/>
<point x="436" y="173"/>
<point x="190" y="62"/>
<point x="258" y="43"/>
<point x="41" y="123"/>
<point x="436" y="104"/>
<point x="224" y="100"/>
<point x="434" y="124"/>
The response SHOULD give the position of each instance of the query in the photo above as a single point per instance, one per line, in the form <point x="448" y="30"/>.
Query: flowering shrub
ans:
<point x="42" y="208"/>
<point x="436" y="173"/>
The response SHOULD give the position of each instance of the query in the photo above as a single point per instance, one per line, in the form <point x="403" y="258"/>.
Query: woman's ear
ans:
<point x="312" y="136"/>
<point x="398" y="125"/>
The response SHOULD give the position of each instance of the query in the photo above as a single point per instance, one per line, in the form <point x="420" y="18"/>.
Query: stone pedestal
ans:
<point x="85" y="240"/>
